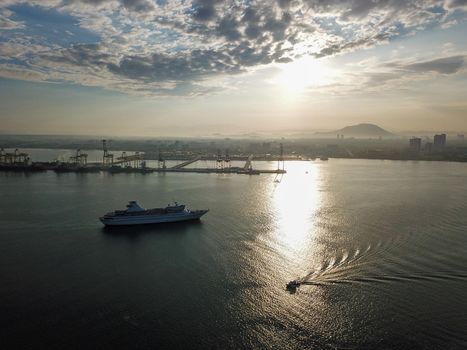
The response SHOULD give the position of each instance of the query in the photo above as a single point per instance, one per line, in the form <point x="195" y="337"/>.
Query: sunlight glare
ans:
<point x="302" y="73"/>
<point x="297" y="200"/>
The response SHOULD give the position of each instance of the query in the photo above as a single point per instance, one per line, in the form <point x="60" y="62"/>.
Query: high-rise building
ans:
<point x="415" y="144"/>
<point x="439" y="141"/>
<point x="428" y="147"/>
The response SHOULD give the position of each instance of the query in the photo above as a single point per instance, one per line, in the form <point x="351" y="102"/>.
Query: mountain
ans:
<point x="360" y="130"/>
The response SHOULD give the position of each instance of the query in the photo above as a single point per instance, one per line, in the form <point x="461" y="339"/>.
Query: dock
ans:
<point x="20" y="162"/>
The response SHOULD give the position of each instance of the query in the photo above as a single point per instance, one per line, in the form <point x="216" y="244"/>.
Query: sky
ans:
<point x="204" y="67"/>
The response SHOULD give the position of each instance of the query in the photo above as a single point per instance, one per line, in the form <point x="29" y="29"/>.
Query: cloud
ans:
<point x="455" y="4"/>
<point x="351" y="45"/>
<point x="445" y="65"/>
<point x="146" y="45"/>
<point x="86" y="55"/>
<point x="373" y="76"/>
<point x="204" y="10"/>
<point x="131" y="5"/>
<point x="7" y="23"/>
<point x="19" y="50"/>
<point x="18" y="73"/>
<point x="181" y="67"/>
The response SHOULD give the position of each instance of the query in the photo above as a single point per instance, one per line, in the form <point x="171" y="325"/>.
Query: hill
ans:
<point x="360" y="130"/>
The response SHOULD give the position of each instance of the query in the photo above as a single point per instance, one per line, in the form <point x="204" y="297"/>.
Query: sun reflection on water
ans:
<point x="288" y="247"/>
<point x="296" y="200"/>
<point x="288" y="250"/>
<point x="285" y="247"/>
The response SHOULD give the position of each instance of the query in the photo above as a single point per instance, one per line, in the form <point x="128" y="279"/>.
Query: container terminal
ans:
<point x="134" y="163"/>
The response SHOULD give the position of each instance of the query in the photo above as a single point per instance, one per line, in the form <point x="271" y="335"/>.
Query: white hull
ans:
<point x="151" y="219"/>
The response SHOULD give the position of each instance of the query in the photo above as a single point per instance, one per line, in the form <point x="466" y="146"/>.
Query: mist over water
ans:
<point x="380" y="245"/>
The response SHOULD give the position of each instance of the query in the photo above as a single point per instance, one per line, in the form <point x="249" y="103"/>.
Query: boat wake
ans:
<point x="414" y="277"/>
<point x="348" y="260"/>
<point x="351" y="268"/>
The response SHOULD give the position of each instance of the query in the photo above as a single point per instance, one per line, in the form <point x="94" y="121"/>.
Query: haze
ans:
<point x="193" y="68"/>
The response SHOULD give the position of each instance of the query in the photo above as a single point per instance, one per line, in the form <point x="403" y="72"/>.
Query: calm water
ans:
<point x="385" y="241"/>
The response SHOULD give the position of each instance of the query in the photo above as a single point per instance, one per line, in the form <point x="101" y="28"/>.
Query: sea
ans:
<point x="380" y="246"/>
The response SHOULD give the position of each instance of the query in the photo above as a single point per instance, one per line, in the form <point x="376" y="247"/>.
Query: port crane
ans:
<point x="280" y="160"/>
<point x="108" y="158"/>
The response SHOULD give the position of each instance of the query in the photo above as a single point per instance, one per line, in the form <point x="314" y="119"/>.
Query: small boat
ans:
<point x="292" y="285"/>
<point x="137" y="215"/>
<point x="323" y="158"/>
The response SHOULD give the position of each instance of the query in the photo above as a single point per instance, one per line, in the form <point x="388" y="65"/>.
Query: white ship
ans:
<point x="137" y="215"/>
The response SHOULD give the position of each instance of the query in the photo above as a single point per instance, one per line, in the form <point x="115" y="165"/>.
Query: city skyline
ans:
<point x="173" y="68"/>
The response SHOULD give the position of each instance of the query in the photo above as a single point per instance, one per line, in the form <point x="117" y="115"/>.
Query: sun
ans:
<point x="305" y="72"/>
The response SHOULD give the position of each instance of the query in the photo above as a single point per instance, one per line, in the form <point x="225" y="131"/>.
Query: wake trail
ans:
<point x="414" y="277"/>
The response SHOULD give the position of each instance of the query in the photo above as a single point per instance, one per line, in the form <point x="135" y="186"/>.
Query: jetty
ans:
<point x="134" y="163"/>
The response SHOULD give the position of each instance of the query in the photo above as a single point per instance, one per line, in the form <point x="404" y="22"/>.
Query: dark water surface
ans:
<point x="384" y="241"/>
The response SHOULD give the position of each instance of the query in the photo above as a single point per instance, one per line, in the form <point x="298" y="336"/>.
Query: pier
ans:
<point x="135" y="163"/>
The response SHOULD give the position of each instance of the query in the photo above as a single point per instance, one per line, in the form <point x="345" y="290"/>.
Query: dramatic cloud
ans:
<point x="180" y="47"/>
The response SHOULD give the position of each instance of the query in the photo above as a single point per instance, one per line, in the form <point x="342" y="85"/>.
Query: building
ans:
<point x="428" y="147"/>
<point x="439" y="141"/>
<point x="415" y="144"/>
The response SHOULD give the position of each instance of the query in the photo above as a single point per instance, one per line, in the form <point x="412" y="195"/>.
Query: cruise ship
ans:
<point x="134" y="214"/>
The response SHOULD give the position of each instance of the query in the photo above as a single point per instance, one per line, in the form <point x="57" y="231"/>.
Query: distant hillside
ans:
<point x="359" y="130"/>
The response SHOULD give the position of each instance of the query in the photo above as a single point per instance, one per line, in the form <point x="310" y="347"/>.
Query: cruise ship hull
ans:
<point x="151" y="219"/>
